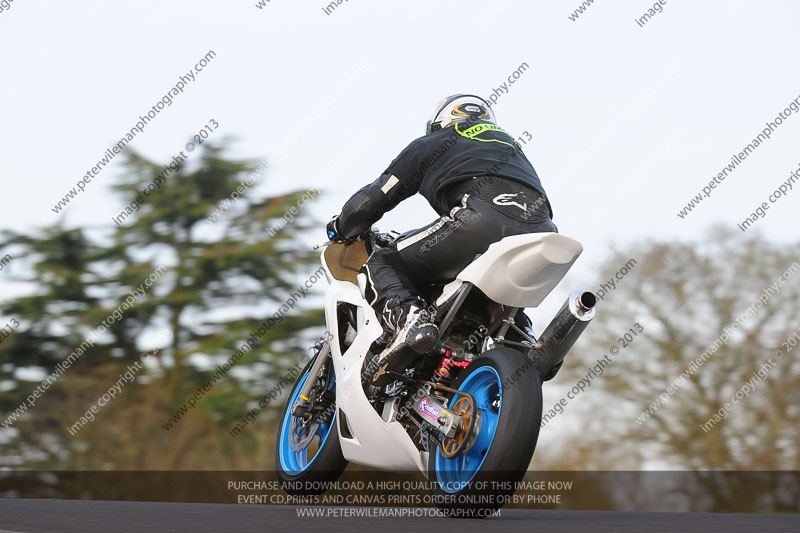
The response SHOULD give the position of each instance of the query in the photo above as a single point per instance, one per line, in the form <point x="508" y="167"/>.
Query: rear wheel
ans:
<point x="507" y="397"/>
<point x="307" y="451"/>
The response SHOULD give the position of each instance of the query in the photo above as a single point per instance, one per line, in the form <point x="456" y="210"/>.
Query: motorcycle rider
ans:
<point x="475" y="176"/>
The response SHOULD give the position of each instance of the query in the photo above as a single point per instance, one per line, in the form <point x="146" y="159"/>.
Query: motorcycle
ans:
<point x="466" y="414"/>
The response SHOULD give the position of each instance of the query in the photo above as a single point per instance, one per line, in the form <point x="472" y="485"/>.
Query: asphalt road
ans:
<point x="34" y="515"/>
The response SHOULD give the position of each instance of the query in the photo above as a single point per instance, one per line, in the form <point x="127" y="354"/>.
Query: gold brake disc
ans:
<point x="466" y="435"/>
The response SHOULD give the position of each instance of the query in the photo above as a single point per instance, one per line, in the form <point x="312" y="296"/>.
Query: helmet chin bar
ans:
<point x="430" y="127"/>
<point x="440" y="106"/>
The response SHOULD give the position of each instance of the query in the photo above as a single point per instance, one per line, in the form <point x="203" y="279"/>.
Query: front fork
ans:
<point x="299" y="408"/>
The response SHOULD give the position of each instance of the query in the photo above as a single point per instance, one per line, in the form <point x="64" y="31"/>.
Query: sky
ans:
<point x="627" y="122"/>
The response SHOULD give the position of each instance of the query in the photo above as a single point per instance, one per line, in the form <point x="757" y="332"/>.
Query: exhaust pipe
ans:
<point x="548" y="354"/>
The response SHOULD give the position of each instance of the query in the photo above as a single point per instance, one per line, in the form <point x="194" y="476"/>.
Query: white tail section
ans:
<point x="521" y="270"/>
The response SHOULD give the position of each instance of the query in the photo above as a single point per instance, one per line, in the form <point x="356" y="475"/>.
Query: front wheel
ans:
<point x="507" y="394"/>
<point x="307" y="452"/>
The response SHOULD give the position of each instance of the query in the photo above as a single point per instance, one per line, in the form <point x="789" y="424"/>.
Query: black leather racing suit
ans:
<point x="477" y="178"/>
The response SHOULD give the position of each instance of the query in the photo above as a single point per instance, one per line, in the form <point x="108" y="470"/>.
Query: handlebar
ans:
<point x="373" y="235"/>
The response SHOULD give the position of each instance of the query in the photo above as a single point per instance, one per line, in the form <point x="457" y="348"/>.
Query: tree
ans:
<point x="714" y="313"/>
<point x="218" y="280"/>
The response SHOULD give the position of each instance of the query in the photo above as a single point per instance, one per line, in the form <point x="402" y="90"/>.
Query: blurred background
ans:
<point x="628" y="124"/>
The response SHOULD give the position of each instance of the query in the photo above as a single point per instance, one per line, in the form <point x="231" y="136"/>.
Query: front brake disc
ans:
<point x="299" y="440"/>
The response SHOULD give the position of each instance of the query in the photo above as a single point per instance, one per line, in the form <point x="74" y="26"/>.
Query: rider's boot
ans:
<point x="413" y="333"/>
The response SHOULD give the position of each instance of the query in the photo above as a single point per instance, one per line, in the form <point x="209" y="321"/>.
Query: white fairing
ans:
<point x="375" y="443"/>
<point x="518" y="271"/>
<point x="521" y="270"/>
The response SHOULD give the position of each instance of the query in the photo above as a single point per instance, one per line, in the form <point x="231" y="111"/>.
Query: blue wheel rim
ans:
<point x="297" y="462"/>
<point x="454" y="474"/>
